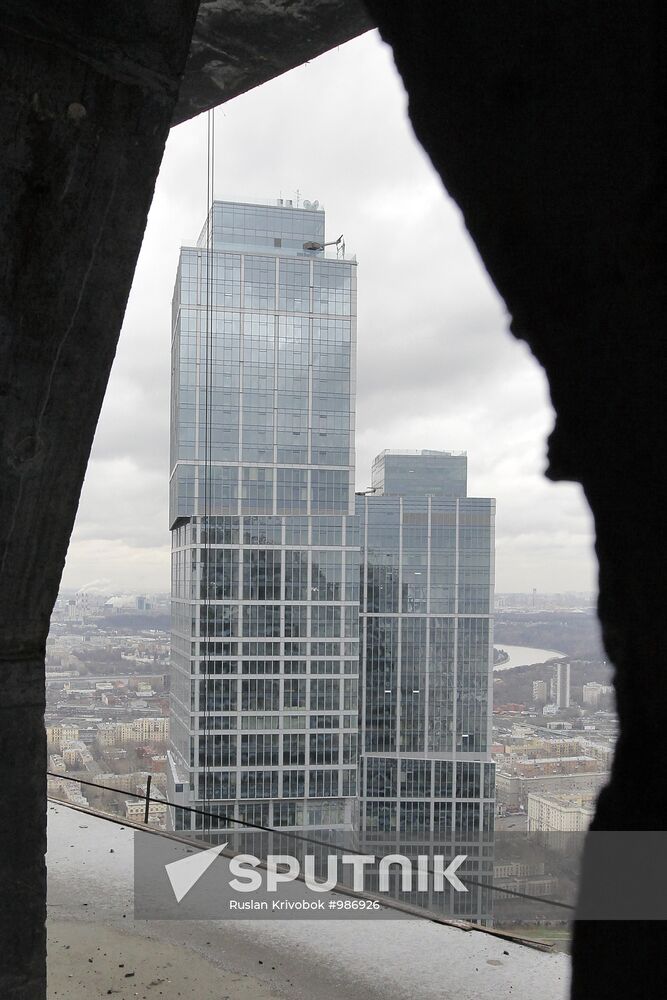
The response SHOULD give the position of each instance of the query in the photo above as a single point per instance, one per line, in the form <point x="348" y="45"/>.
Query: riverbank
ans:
<point x="523" y="656"/>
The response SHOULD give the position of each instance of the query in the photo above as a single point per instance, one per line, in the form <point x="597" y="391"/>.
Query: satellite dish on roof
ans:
<point x="307" y="204"/>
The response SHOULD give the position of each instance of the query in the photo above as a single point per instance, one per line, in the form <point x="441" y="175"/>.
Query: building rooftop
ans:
<point x="426" y="452"/>
<point x="90" y="894"/>
<point x="566" y="800"/>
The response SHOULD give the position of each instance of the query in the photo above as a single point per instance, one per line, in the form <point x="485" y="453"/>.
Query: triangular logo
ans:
<point x="184" y="874"/>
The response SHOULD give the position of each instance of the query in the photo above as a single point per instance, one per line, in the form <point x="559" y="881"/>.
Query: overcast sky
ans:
<point x="436" y="365"/>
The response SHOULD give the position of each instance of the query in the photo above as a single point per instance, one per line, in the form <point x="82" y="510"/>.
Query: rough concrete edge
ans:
<point x="462" y="925"/>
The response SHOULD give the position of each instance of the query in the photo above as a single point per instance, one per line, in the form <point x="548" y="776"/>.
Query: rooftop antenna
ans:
<point x="298" y="197"/>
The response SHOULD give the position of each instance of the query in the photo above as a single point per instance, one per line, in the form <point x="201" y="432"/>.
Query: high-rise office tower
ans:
<point x="427" y="556"/>
<point x="563" y="685"/>
<point x="264" y="543"/>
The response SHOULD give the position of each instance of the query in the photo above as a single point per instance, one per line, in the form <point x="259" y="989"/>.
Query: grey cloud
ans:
<point x="436" y="365"/>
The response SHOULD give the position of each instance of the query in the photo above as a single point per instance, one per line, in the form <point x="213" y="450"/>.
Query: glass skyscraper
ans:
<point x="427" y="557"/>
<point x="280" y="715"/>
<point x="426" y="775"/>
<point x="265" y="556"/>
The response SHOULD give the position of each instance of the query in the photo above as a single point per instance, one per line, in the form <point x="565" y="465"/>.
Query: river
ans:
<point x="519" y="656"/>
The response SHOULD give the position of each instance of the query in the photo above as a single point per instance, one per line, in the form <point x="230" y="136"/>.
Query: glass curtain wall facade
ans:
<point x="265" y="550"/>
<point x="427" y="570"/>
<point x="420" y="473"/>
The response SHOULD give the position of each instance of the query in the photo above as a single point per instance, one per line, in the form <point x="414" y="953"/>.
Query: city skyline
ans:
<point x="437" y="368"/>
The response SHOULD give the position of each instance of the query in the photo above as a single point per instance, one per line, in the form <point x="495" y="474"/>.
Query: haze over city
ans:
<point x="436" y="365"/>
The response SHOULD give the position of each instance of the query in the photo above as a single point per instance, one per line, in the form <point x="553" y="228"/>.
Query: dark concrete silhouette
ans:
<point x="547" y="124"/>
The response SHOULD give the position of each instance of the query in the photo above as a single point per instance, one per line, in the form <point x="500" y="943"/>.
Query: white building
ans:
<point x="593" y="692"/>
<point x="148" y="730"/>
<point x="57" y="735"/>
<point x="135" y="810"/>
<point x="67" y="790"/>
<point x="560" y="813"/>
